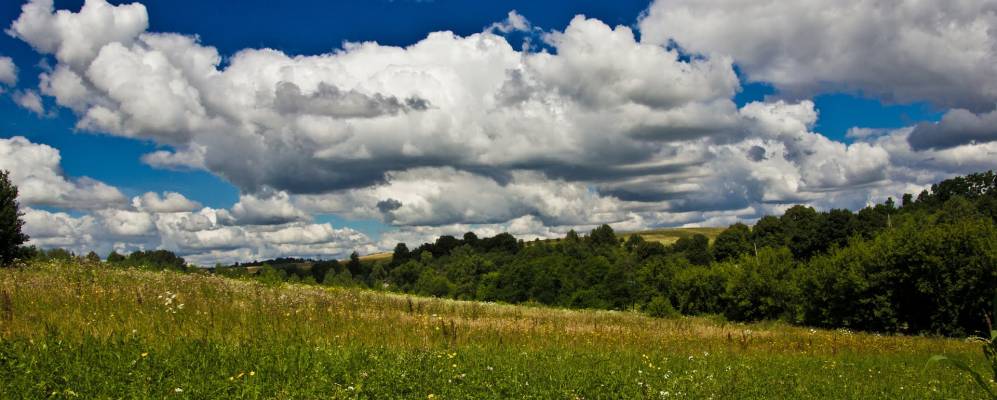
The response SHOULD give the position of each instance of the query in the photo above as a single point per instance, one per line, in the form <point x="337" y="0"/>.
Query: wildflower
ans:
<point x="178" y="390"/>
<point x="251" y="373"/>
<point x="145" y="354"/>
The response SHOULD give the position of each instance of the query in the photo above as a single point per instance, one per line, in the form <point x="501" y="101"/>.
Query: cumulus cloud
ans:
<point x="256" y="227"/>
<point x="75" y="38"/>
<point x="169" y="202"/>
<point x="267" y="209"/>
<point x="331" y="101"/>
<point x="8" y="71"/>
<point x="445" y="196"/>
<point x="457" y="133"/>
<point x="190" y="158"/>
<point x="342" y="120"/>
<point x="944" y="52"/>
<point x="957" y="127"/>
<point x="30" y="100"/>
<point x="199" y="236"/>
<point x="513" y="22"/>
<point x="35" y="169"/>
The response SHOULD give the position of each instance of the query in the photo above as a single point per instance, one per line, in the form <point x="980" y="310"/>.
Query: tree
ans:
<point x="695" y="248"/>
<point x="11" y="236"/>
<point x="633" y="242"/>
<point x="92" y="257"/>
<point x="321" y="268"/>
<point x="837" y="227"/>
<point x="603" y="236"/>
<point x="802" y="225"/>
<point x="114" y="257"/>
<point x="768" y="232"/>
<point x="355" y="267"/>
<point x="732" y="242"/>
<point x="400" y="255"/>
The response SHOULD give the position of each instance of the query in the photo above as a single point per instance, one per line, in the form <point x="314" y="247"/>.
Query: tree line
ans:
<point x="925" y="266"/>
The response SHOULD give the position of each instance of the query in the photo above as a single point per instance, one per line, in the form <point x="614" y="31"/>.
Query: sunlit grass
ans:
<point x="91" y="331"/>
<point x="669" y="236"/>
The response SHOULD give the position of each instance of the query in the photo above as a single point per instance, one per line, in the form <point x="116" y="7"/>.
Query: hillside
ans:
<point x="664" y="236"/>
<point x="669" y="236"/>
<point x="78" y="330"/>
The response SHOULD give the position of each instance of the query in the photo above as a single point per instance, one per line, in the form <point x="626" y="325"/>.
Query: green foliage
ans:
<point x="11" y="236"/>
<point x="270" y="275"/>
<point x="74" y="330"/>
<point x="763" y="287"/>
<point x="768" y="232"/>
<point x="603" y="236"/>
<point x="923" y="268"/>
<point x="113" y="257"/>
<point x="660" y="307"/>
<point x="989" y="352"/>
<point x="802" y="228"/>
<point x="695" y="248"/>
<point x="733" y="242"/>
<point x="918" y="277"/>
<point x="701" y="290"/>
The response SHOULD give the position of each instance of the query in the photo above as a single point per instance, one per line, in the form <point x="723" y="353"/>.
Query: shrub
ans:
<point x="660" y="307"/>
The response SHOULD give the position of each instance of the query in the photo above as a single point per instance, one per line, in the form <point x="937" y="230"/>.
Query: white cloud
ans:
<point x="944" y="52"/>
<point x="169" y="202"/>
<point x="75" y="38"/>
<point x="187" y="159"/>
<point x="30" y="100"/>
<point x="513" y="22"/>
<point x="443" y="196"/>
<point x="344" y="119"/>
<point x="35" y="169"/>
<point x="8" y="71"/>
<point x="267" y="209"/>
<point x="455" y="133"/>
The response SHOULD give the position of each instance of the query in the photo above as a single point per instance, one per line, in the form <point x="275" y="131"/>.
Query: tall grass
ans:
<point x="69" y="329"/>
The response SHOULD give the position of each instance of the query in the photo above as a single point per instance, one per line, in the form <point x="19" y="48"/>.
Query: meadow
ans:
<point x="83" y="330"/>
<point x="669" y="236"/>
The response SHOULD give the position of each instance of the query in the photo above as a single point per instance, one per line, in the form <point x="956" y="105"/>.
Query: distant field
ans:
<point x="664" y="235"/>
<point x="68" y="330"/>
<point x="672" y="235"/>
<point x="376" y="257"/>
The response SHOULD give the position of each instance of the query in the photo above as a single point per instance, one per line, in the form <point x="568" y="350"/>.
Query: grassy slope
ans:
<point x="92" y="332"/>
<point x="671" y="235"/>
<point x="664" y="235"/>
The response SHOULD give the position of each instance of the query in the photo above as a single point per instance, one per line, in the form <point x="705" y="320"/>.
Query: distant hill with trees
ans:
<point x="927" y="265"/>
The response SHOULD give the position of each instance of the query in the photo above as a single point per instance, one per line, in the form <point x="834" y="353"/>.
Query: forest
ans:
<point x="925" y="266"/>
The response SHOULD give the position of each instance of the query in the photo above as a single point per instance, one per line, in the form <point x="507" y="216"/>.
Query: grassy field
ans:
<point x="85" y="331"/>
<point x="671" y="235"/>
<point x="664" y="235"/>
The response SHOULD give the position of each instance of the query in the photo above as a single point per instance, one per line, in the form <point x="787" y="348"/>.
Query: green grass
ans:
<point x="69" y="330"/>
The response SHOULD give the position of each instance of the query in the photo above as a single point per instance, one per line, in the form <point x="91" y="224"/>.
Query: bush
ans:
<point x="763" y="287"/>
<point x="660" y="307"/>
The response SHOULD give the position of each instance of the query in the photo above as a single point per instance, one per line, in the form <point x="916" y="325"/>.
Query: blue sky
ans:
<point x="781" y="110"/>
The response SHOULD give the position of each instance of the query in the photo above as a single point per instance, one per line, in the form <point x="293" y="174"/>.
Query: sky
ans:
<point x="319" y="128"/>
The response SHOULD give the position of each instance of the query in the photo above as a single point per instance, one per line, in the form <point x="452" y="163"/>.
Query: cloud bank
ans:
<point x="454" y="133"/>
